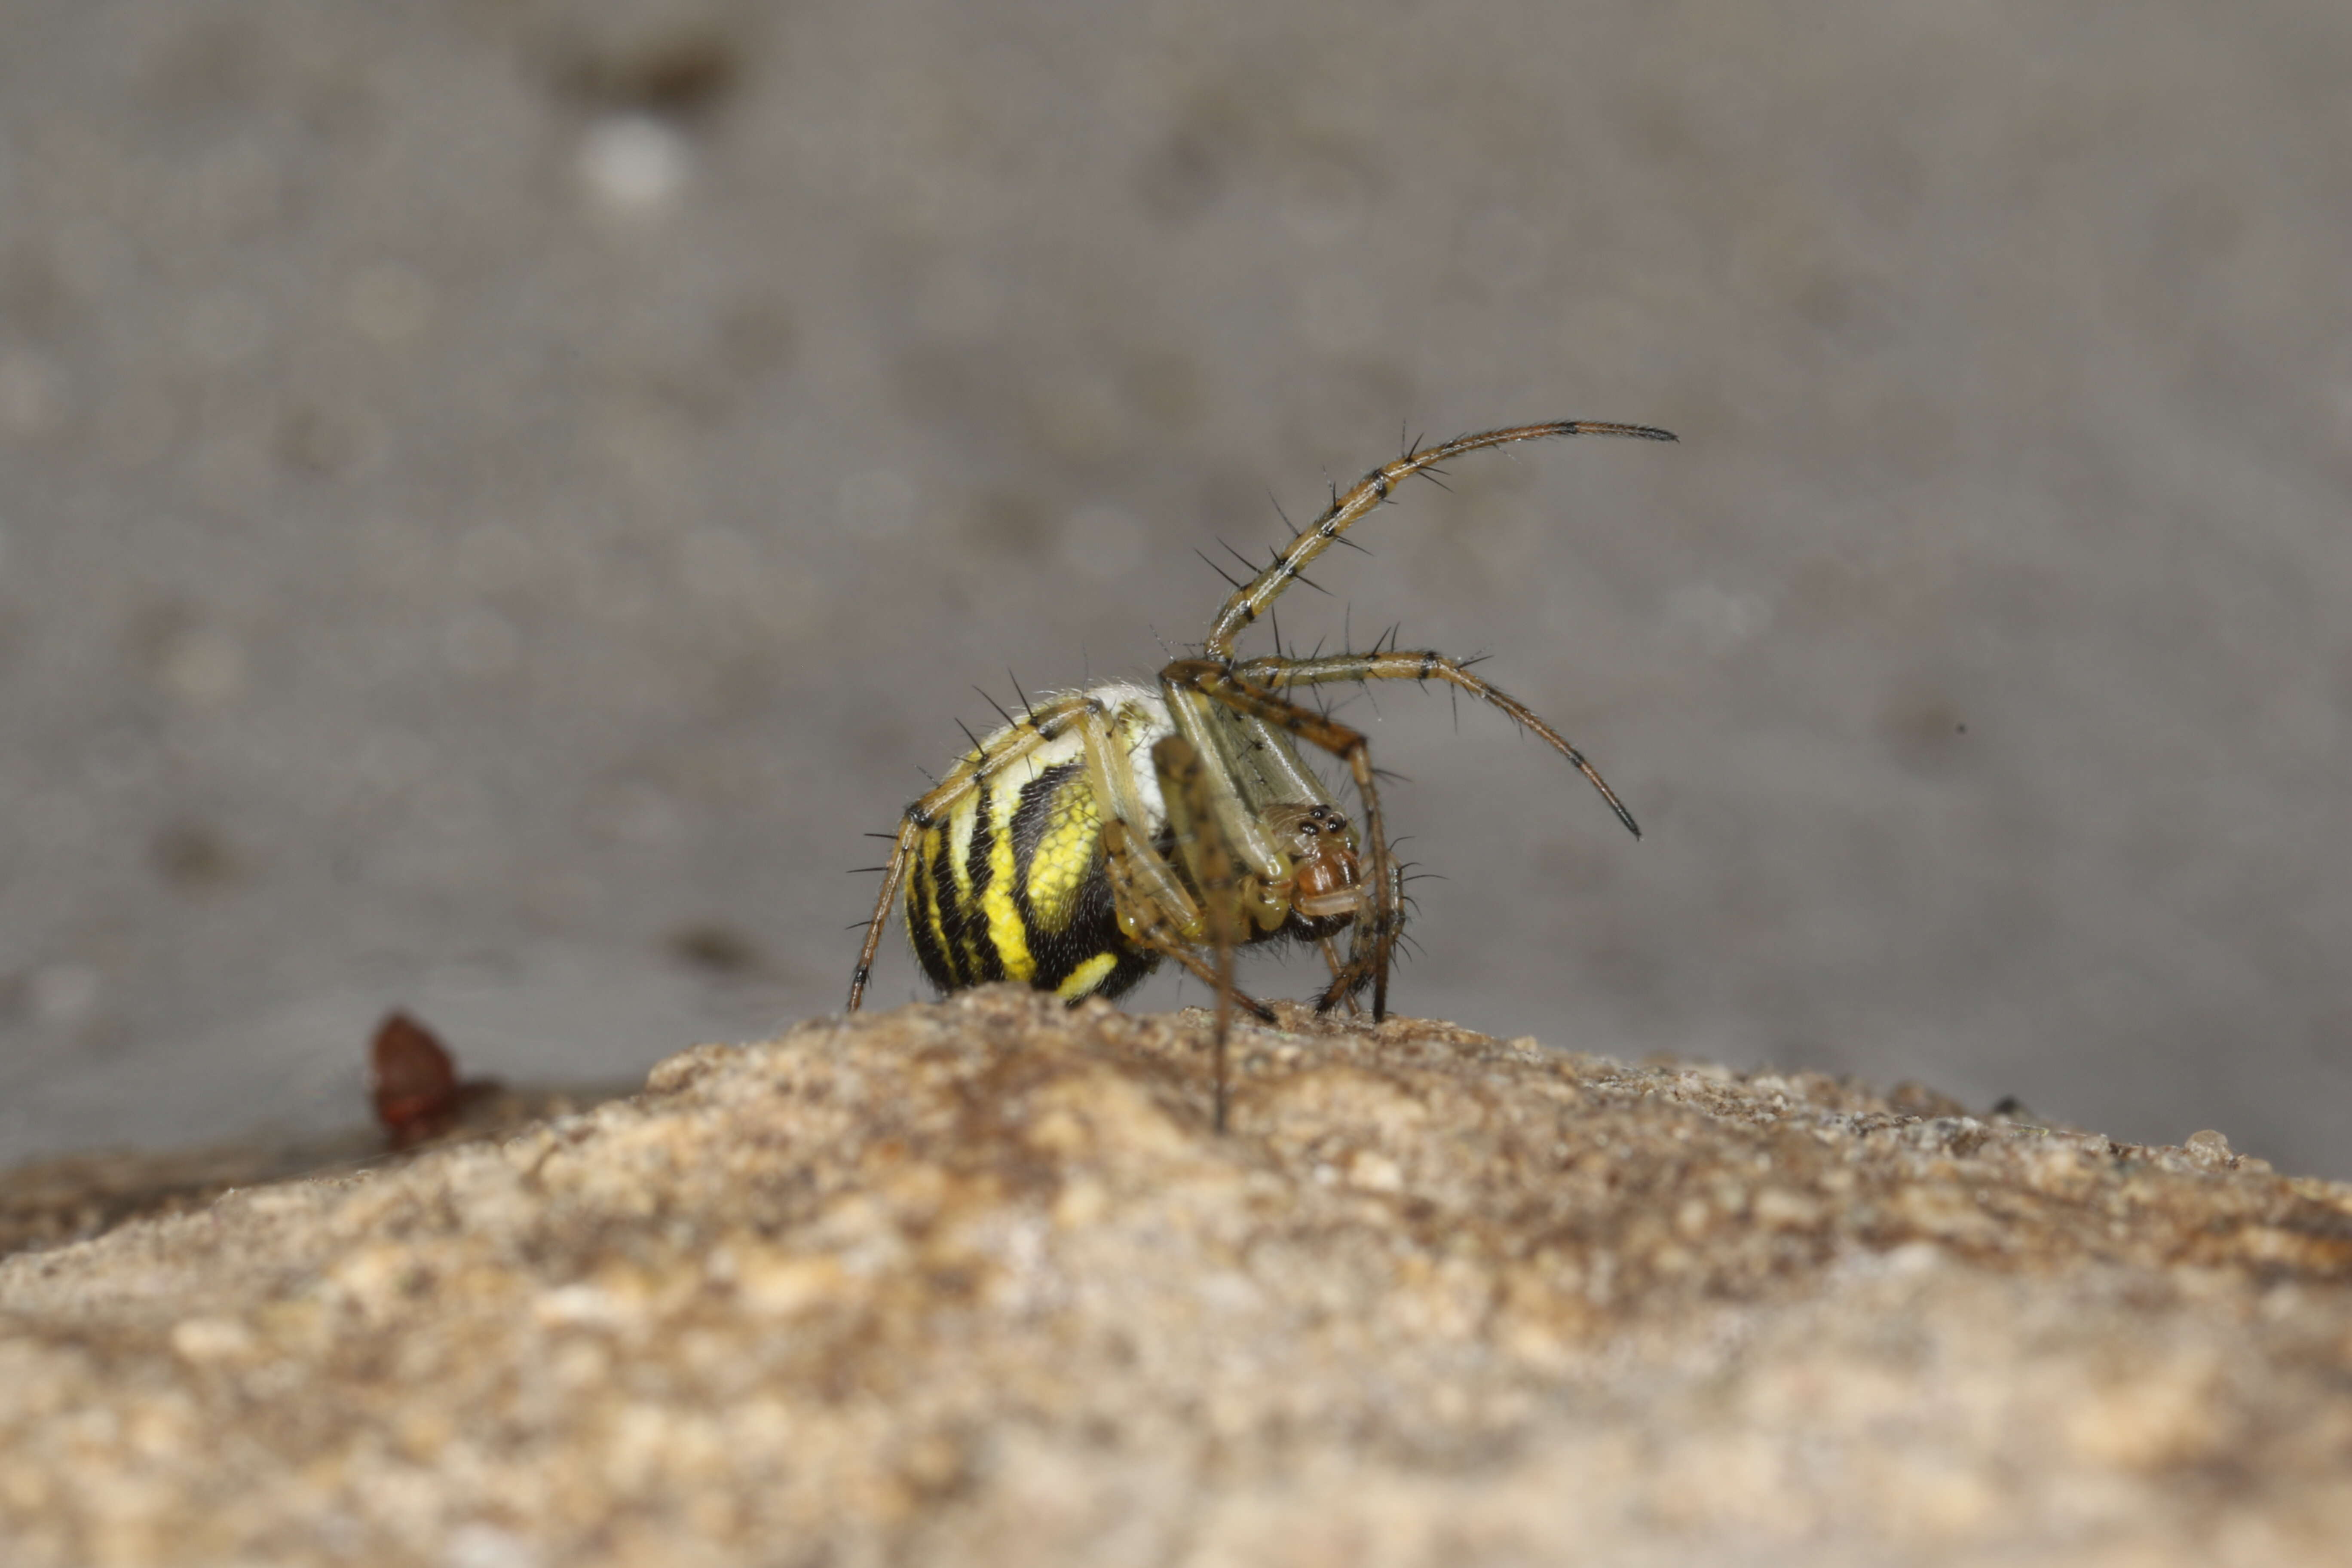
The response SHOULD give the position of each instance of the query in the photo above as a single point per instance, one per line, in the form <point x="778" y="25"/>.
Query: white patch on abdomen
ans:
<point x="1138" y="721"/>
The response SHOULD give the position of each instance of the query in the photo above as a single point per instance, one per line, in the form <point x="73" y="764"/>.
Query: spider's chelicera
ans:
<point x="1104" y="830"/>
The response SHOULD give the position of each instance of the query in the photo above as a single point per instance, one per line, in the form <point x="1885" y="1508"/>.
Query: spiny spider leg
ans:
<point x="1277" y="673"/>
<point x="1184" y="790"/>
<point x="1331" y="962"/>
<point x="1147" y="919"/>
<point x="1370" y="939"/>
<point x="1153" y="909"/>
<point x="1250" y="600"/>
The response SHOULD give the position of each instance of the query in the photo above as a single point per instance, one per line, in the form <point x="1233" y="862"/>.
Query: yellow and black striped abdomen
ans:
<point x="1009" y="885"/>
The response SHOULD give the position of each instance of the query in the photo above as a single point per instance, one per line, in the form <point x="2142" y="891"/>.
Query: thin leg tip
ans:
<point x="1603" y="428"/>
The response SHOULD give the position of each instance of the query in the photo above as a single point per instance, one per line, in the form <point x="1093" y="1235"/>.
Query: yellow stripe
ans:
<point x="1064" y="854"/>
<point x="1087" y="976"/>
<point x="1004" y="918"/>
<point x="940" y="901"/>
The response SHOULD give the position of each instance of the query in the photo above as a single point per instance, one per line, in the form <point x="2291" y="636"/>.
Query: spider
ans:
<point x="1102" y="831"/>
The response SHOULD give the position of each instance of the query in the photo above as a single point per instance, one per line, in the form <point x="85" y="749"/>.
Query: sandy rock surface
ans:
<point x="976" y="1283"/>
<point x="47" y="1202"/>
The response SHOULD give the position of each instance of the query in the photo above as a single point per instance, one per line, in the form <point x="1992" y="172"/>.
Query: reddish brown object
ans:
<point x="413" y="1077"/>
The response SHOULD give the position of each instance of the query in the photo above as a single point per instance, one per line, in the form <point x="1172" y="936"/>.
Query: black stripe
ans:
<point x="1031" y="817"/>
<point x="921" y="890"/>
<point x="983" y="963"/>
<point x="1052" y="950"/>
<point x="1093" y="929"/>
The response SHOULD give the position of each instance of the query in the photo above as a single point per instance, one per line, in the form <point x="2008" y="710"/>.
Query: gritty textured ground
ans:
<point x="976" y="1283"/>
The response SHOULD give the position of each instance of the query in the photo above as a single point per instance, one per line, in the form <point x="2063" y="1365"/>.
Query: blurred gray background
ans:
<point x="495" y="498"/>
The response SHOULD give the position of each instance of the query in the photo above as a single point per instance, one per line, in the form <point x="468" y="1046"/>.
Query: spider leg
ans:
<point x="1332" y="959"/>
<point x="916" y="821"/>
<point x="985" y="760"/>
<point x="1251" y="599"/>
<point x="1184" y="784"/>
<point x="1146" y="923"/>
<point x="1274" y="674"/>
<point x="1153" y="908"/>
<point x="1189" y="682"/>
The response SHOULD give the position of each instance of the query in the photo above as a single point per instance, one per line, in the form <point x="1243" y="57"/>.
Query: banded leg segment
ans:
<point x="1184" y="787"/>
<point x="1275" y="674"/>
<point x="1369" y="940"/>
<point x="1331" y="962"/>
<point x="1154" y="911"/>
<point x="1251" y="598"/>
<point x="1157" y="929"/>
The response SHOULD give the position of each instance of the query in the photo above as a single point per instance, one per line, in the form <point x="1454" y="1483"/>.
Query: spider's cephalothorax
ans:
<point x="1103" y="830"/>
